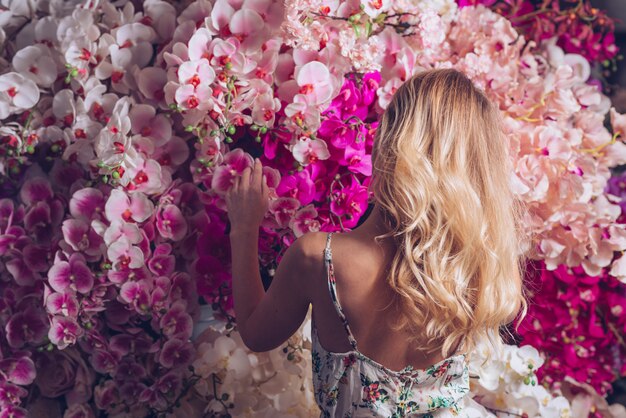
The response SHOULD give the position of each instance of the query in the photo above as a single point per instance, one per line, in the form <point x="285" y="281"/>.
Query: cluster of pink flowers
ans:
<point x="123" y="128"/>
<point x="577" y="321"/>
<point x="90" y="279"/>
<point x="579" y="27"/>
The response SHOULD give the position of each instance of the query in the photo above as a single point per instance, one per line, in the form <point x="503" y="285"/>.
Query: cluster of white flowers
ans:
<point x="507" y="382"/>
<point x="234" y="380"/>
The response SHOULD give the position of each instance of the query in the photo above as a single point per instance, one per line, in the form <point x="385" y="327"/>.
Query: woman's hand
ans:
<point x="247" y="200"/>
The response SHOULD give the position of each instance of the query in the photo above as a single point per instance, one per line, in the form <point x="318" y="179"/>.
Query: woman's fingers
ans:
<point x="257" y="179"/>
<point x="245" y="178"/>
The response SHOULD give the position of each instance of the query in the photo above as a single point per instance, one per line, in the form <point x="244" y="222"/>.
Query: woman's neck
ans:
<point x="374" y="224"/>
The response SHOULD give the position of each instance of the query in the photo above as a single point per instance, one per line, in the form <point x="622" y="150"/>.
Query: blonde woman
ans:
<point x="400" y="301"/>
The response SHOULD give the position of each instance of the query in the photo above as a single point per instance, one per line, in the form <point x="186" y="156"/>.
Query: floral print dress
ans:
<point x="350" y="384"/>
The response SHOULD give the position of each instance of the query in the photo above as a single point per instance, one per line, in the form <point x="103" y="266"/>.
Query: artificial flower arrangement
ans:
<point x="123" y="124"/>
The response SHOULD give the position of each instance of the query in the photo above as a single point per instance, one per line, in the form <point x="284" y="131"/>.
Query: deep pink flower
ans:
<point x="26" y="327"/>
<point x="235" y="162"/>
<point x="9" y="395"/>
<point x="106" y="394"/>
<point x="105" y="361"/>
<point x="338" y="133"/>
<point x="137" y="294"/>
<point x="13" y="411"/>
<point x="64" y="304"/>
<point x="20" y="371"/>
<point x="176" y="353"/>
<point x="20" y="271"/>
<point x="79" y="410"/>
<point x="298" y="186"/>
<point x="349" y="202"/>
<point x="87" y="204"/>
<point x="36" y="190"/>
<point x="9" y="214"/>
<point x="38" y="217"/>
<point x="135" y="344"/>
<point x="71" y="275"/>
<point x="357" y="161"/>
<point x="177" y="323"/>
<point x="82" y="237"/>
<point x="64" y="331"/>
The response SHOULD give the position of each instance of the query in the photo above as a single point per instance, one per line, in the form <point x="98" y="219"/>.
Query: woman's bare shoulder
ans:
<point x="310" y="246"/>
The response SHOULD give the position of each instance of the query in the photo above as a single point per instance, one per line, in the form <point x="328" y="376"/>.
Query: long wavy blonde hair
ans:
<point x="441" y="171"/>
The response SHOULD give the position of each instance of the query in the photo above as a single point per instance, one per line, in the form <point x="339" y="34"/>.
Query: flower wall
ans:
<point x="122" y="125"/>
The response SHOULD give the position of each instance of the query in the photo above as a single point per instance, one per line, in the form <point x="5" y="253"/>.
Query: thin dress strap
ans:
<point x="333" y="290"/>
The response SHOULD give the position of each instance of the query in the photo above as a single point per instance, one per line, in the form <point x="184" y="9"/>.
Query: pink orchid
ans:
<point x="307" y="150"/>
<point x="106" y="394"/>
<point x="133" y="41"/>
<point x="302" y="115"/>
<point x="247" y="25"/>
<point x="13" y="411"/>
<point x="36" y="63"/>
<point x="315" y="83"/>
<point x="618" y="122"/>
<point x="123" y="344"/>
<point x="16" y="92"/>
<point x="283" y="209"/>
<point x="104" y="361"/>
<point x="305" y="220"/>
<point x="120" y="229"/>
<point x="171" y="223"/>
<point x="146" y="177"/>
<point x="146" y="122"/>
<point x="73" y="275"/>
<point x="198" y="45"/>
<point x="151" y="82"/>
<point x="20" y="271"/>
<point x="136" y="207"/>
<point x="124" y="255"/>
<point x="162" y="262"/>
<point x="264" y="110"/>
<point x="172" y="154"/>
<point x="195" y="78"/>
<point x="227" y="53"/>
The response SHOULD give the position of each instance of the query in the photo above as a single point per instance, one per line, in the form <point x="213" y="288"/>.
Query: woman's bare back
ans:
<point x="360" y="268"/>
